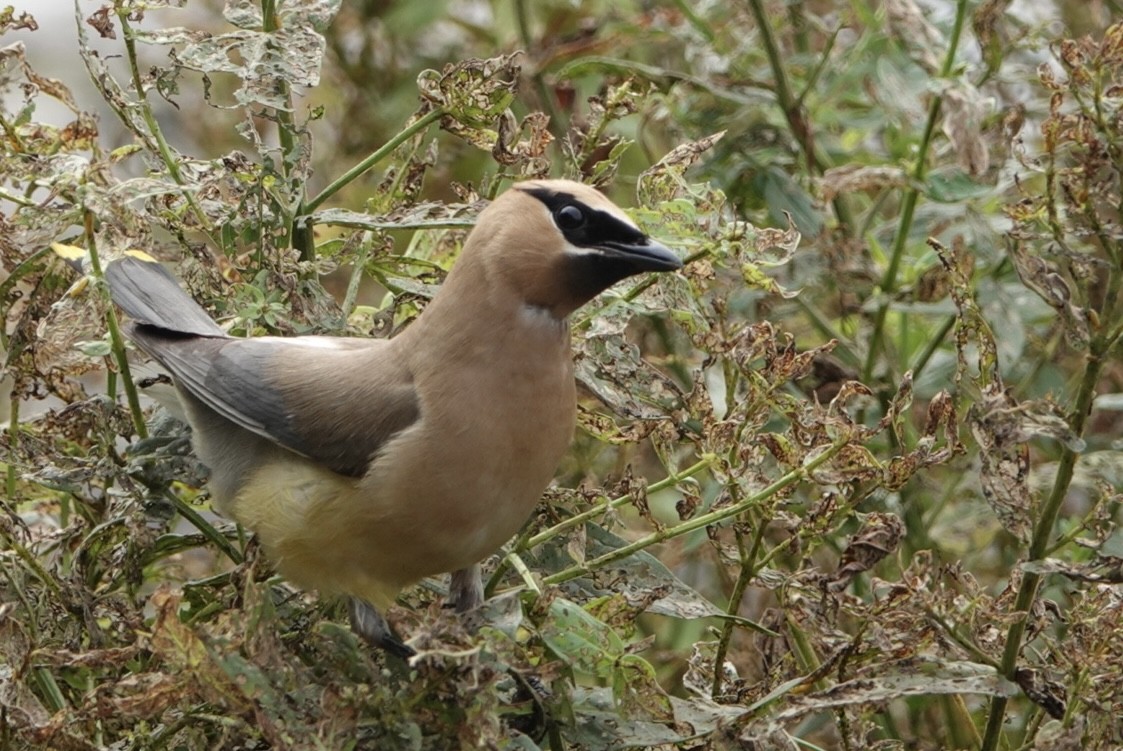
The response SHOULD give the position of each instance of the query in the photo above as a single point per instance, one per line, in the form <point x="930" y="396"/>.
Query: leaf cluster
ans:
<point x="849" y="480"/>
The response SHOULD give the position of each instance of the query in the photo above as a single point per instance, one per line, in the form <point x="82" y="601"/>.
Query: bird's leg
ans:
<point x="465" y="593"/>
<point x="369" y="624"/>
<point x="466" y="590"/>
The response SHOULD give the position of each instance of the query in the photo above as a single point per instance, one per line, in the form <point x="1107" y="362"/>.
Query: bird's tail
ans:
<point x="149" y="294"/>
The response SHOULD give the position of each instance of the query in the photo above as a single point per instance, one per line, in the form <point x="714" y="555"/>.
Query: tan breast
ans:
<point x="447" y="491"/>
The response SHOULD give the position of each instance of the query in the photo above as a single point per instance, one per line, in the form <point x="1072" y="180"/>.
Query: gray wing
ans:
<point x="334" y="400"/>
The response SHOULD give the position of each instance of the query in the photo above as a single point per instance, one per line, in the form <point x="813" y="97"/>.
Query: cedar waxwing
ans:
<point x="365" y="465"/>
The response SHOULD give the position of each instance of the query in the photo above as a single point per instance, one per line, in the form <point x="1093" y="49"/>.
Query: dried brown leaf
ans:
<point x="1046" y="693"/>
<point x="665" y="180"/>
<point x="1104" y="570"/>
<point x="884" y="682"/>
<point x="103" y="23"/>
<point x="1045" y="279"/>
<point x="964" y="113"/>
<point x="10" y="21"/>
<point x="857" y="178"/>
<point x="910" y="25"/>
<point x="970" y="323"/>
<point x="985" y="22"/>
<point x="879" y="536"/>
<point x="473" y="94"/>
<point x="996" y="424"/>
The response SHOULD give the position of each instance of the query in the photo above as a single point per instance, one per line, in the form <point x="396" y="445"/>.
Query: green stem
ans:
<point x="359" y="262"/>
<point x="934" y="343"/>
<point x="49" y="689"/>
<point x="13" y="136"/>
<point x="347" y="177"/>
<point x="824" y="60"/>
<point x="688" y="12"/>
<point x="18" y="200"/>
<point x="793" y="111"/>
<point x="1039" y="544"/>
<point x="170" y="160"/>
<point x="748" y="571"/>
<point x="13" y="446"/>
<point x="525" y="574"/>
<point x="116" y="340"/>
<point x="600" y="508"/>
<point x="908" y="208"/>
<point x="977" y="653"/>
<point x="1091" y="517"/>
<point x="700" y="522"/>
<point x="206" y="528"/>
<point x="547" y="98"/>
<point x="32" y="562"/>
<point x="1109" y="310"/>
<point x="802" y="648"/>
<point x="300" y="233"/>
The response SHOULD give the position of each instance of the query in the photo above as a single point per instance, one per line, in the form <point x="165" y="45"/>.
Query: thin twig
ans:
<point x="1039" y="544"/>
<point x="113" y="325"/>
<point x="912" y="197"/>
<point x="793" y="110"/>
<point x="600" y="508"/>
<point x="700" y="522"/>
<point x="163" y="149"/>
<point x="349" y="176"/>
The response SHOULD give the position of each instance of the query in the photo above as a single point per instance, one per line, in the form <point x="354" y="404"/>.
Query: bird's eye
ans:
<point x="569" y="217"/>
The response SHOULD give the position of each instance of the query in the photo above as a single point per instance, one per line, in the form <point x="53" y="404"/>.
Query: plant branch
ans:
<point x="11" y="474"/>
<point x="700" y="522"/>
<point x="163" y="149"/>
<point x="792" y="107"/>
<point x="349" y="176"/>
<point x="1039" y="544"/>
<point x="748" y="571"/>
<point x="300" y="232"/>
<point x="600" y="508"/>
<point x="206" y="528"/>
<point x="908" y="208"/>
<point x="934" y="343"/>
<point x="116" y="340"/>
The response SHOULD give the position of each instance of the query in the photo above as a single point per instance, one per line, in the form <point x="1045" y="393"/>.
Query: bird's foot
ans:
<point x="372" y="628"/>
<point x="465" y="589"/>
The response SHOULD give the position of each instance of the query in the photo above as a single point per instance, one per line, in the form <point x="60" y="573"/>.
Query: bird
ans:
<point x="364" y="465"/>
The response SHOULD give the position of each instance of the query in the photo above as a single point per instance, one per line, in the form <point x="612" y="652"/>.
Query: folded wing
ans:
<point x="287" y="390"/>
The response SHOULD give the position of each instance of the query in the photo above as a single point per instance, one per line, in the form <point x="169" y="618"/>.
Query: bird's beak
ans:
<point x="647" y="255"/>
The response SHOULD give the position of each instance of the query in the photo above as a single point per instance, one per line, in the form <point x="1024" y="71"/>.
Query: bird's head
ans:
<point x="558" y="243"/>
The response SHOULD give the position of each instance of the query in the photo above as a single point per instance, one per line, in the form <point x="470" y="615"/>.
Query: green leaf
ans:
<point x="785" y="196"/>
<point x="95" y="348"/>
<point x="953" y="186"/>
<point x="637" y="692"/>
<point x="586" y="644"/>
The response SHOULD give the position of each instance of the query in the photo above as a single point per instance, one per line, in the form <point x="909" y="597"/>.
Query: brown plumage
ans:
<point x="366" y="465"/>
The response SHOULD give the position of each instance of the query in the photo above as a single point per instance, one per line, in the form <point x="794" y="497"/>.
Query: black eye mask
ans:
<point x="587" y="227"/>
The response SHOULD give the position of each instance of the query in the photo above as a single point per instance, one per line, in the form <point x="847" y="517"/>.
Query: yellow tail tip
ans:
<point x="71" y="253"/>
<point x="140" y="255"/>
<point x="78" y="257"/>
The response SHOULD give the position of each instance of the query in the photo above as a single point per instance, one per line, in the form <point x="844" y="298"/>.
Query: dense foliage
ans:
<point x="849" y="480"/>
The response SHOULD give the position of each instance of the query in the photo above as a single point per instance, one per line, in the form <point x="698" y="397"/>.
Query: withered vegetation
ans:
<point x="849" y="480"/>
